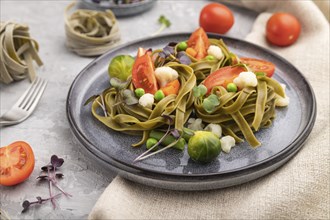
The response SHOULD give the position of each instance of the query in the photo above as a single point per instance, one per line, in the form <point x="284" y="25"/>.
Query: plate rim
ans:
<point x="294" y="145"/>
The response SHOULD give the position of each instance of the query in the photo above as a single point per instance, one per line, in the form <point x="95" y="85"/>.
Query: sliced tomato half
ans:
<point x="222" y="77"/>
<point x="143" y="75"/>
<point x="199" y="42"/>
<point x="16" y="163"/>
<point x="257" y="65"/>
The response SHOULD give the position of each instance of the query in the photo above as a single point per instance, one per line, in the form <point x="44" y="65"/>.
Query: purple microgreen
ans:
<point x="156" y="152"/>
<point x="185" y="60"/>
<point x="52" y="175"/>
<point x="56" y="161"/>
<point x="42" y="177"/>
<point x="172" y="44"/>
<point x="59" y="175"/>
<point x="39" y="199"/>
<point x="91" y="99"/>
<point x="27" y="204"/>
<point x="129" y="97"/>
<point x="170" y="120"/>
<point x="117" y="83"/>
<point x="175" y="133"/>
<point x="168" y="50"/>
<point x="47" y="167"/>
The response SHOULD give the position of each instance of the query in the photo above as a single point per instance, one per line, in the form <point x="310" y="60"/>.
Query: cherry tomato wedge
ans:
<point x="199" y="42"/>
<point x="143" y="75"/>
<point x="171" y="88"/>
<point x="222" y="77"/>
<point x="16" y="163"/>
<point x="257" y="65"/>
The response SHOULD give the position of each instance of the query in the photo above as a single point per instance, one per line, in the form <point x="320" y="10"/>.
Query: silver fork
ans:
<point x="25" y="105"/>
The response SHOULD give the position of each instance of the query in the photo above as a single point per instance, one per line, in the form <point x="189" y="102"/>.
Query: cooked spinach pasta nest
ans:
<point x="240" y="114"/>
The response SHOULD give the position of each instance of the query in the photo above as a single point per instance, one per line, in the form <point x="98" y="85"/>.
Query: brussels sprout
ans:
<point x="121" y="67"/>
<point x="204" y="146"/>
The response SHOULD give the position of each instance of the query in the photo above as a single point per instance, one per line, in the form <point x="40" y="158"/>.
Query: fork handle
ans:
<point x="7" y="123"/>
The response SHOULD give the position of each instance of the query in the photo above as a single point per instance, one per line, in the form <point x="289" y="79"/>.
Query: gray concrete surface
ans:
<point x="47" y="130"/>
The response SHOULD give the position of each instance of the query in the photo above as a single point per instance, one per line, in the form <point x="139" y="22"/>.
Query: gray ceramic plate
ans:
<point x="121" y="10"/>
<point x="172" y="169"/>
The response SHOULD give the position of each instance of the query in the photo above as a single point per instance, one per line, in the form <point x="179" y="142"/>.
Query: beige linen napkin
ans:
<point x="298" y="190"/>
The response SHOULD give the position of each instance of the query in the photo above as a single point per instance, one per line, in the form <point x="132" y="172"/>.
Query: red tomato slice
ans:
<point x="222" y="77"/>
<point x="16" y="163"/>
<point x="199" y="42"/>
<point x="259" y="65"/>
<point x="143" y="75"/>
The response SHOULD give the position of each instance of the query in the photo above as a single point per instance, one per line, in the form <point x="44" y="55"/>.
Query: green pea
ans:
<point x="182" y="46"/>
<point x="210" y="57"/>
<point x="231" y="87"/>
<point x="159" y="95"/>
<point x="151" y="142"/>
<point x="139" y="92"/>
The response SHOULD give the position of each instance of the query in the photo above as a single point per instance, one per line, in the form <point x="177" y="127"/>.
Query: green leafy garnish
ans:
<point x="117" y="83"/>
<point x="165" y="23"/>
<point x="210" y="103"/>
<point x="199" y="91"/>
<point x="129" y="97"/>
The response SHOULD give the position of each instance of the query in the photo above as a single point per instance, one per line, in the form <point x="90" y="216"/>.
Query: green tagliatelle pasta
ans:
<point x="90" y="32"/>
<point x="18" y="50"/>
<point x="239" y="113"/>
<point x="244" y="112"/>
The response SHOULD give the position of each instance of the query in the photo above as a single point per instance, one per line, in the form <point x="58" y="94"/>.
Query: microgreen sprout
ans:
<point x="183" y="58"/>
<point x="117" y="83"/>
<point x="145" y="154"/>
<point x="129" y="97"/>
<point x="51" y="174"/>
<point x="164" y="24"/>
<point x="199" y="91"/>
<point x="210" y="103"/>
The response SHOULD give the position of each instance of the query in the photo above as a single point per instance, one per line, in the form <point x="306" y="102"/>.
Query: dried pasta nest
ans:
<point x="89" y="32"/>
<point x="18" y="50"/>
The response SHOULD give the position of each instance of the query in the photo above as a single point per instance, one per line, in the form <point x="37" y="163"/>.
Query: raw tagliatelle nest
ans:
<point x="18" y="50"/>
<point x="89" y="32"/>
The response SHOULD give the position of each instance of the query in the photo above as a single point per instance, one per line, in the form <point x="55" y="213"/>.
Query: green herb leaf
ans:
<point x="163" y="20"/>
<point x="117" y="83"/>
<point x="210" y="103"/>
<point x="199" y="91"/>
<point x="129" y="97"/>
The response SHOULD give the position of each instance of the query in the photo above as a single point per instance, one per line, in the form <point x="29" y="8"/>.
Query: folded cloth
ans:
<point x="298" y="190"/>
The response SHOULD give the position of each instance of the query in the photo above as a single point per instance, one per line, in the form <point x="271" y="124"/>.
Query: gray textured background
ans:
<point x="47" y="130"/>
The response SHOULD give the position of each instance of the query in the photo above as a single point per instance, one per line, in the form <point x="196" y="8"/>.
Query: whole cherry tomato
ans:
<point x="16" y="163"/>
<point x="216" y="18"/>
<point x="282" y="29"/>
